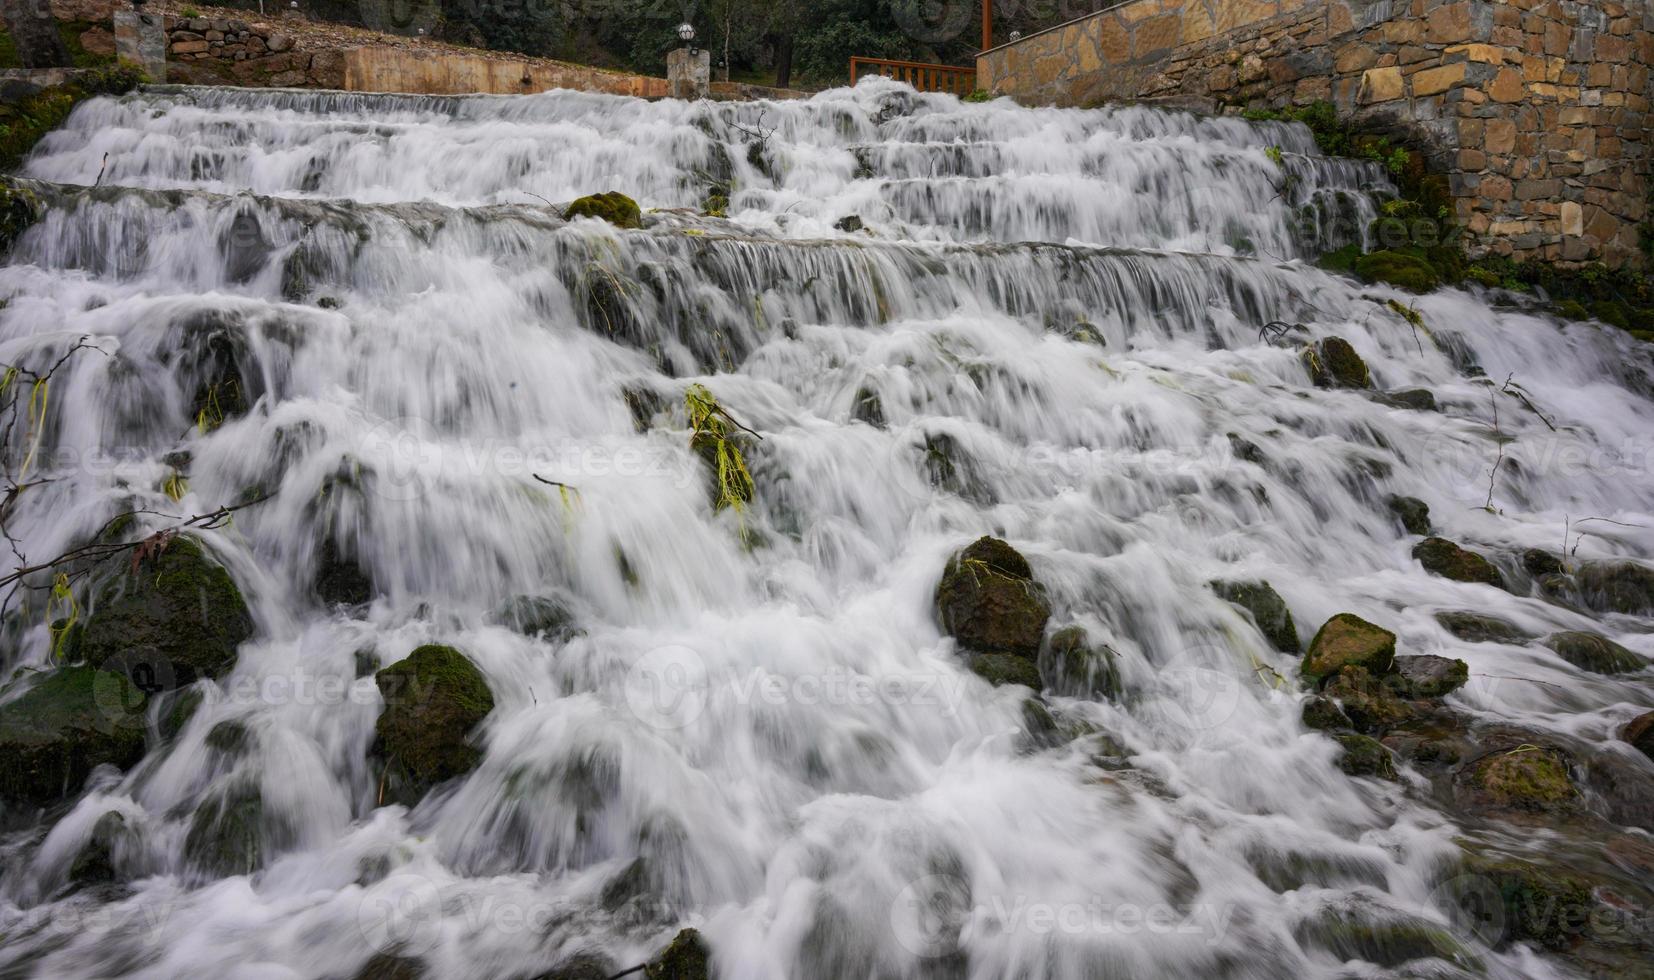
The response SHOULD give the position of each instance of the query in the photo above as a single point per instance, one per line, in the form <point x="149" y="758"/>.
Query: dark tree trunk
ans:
<point x="784" y="61"/>
<point x="34" y="32"/>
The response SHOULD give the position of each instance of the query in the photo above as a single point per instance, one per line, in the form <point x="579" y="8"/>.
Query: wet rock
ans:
<point x="989" y="602"/>
<point x="1527" y="777"/>
<point x="227" y="835"/>
<point x="614" y="207"/>
<point x="1594" y="652"/>
<point x="1640" y="733"/>
<point x="949" y="467"/>
<point x="1324" y="715"/>
<point x="340" y="578"/>
<point x="1003" y="668"/>
<point x="643" y="405"/>
<point x="1333" y="363"/>
<point x="1364" y="756"/>
<point x="19" y="209"/>
<point x="97" y="863"/>
<point x="687" y="958"/>
<point x="389" y="966"/>
<point x="538" y="616"/>
<point x="1411" y="399"/>
<point x="1431" y="739"/>
<point x="1348" y="640"/>
<point x="70" y="722"/>
<point x="1382" y="936"/>
<point x="168" y="619"/>
<point x="1268" y="610"/>
<point x="1413" y="513"/>
<point x="231" y="738"/>
<point x="1430" y="676"/>
<point x="1478" y="628"/>
<point x="1076" y="668"/>
<point x="433" y="700"/>
<point x="244" y="247"/>
<point x="1246" y="450"/>
<point x="176" y="713"/>
<point x="1370" y="704"/>
<point x="1532" y="903"/>
<point x="1617" y="586"/>
<point x="1040" y="729"/>
<point x="1539" y="563"/>
<point x="1440" y="556"/>
<point x="850" y="224"/>
<point x="867" y="407"/>
<point x="213" y="354"/>
<point x="582" y="967"/>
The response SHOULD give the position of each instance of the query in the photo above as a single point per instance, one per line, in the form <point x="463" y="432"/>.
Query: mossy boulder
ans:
<point x="1398" y="269"/>
<point x="434" y="699"/>
<point x="1594" y="652"/>
<point x="538" y="616"/>
<point x="19" y="209"/>
<point x="999" y="669"/>
<point x="1527" y="777"/>
<point x="1538" y="562"/>
<point x="98" y="862"/>
<point x="1075" y="667"/>
<point x="1368" y="702"/>
<point x="1617" y="586"/>
<point x="1365" y="756"/>
<point x="1323" y="714"/>
<point x="989" y="602"/>
<point x="1413" y="513"/>
<point x="687" y="957"/>
<point x="1612" y="313"/>
<point x="1333" y="363"/>
<point x="1347" y="640"/>
<point x="1474" y="627"/>
<point x="1572" y="309"/>
<point x="340" y="578"/>
<point x="614" y="207"/>
<point x="1440" y="556"/>
<point x="168" y="619"/>
<point x="1268" y="610"/>
<point x="1410" y="399"/>
<point x="70" y="722"/>
<point x="1430" y="676"/>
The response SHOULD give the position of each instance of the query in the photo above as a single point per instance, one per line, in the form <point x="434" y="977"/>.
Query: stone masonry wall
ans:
<point x="1538" y="111"/>
<point x="221" y="49"/>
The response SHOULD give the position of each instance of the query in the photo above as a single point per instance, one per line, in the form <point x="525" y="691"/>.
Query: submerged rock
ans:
<point x="1333" y="363"/>
<point x="168" y="619"/>
<point x="1412" y="399"/>
<point x="1534" y="903"/>
<point x="1347" y="640"/>
<point x="390" y="966"/>
<point x="868" y="407"/>
<point x="989" y="602"/>
<point x="1594" y="652"/>
<point x="1323" y="714"/>
<point x="1369" y="704"/>
<point x="1430" y="676"/>
<point x="1413" y="513"/>
<point x="1539" y="563"/>
<point x="1076" y="668"/>
<point x="1384" y="937"/>
<point x="340" y="577"/>
<point x="433" y="700"/>
<point x="70" y="722"/>
<point x="614" y="207"/>
<point x="98" y="862"/>
<point x="1268" y="610"/>
<point x="1478" y="628"/>
<point x="537" y="616"/>
<point x="686" y="958"/>
<point x="1442" y="557"/>
<point x="228" y="835"/>
<point x="1364" y="756"/>
<point x="1617" y="586"/>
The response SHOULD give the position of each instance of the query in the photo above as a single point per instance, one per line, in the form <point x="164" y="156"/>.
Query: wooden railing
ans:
<point x="925" y="78"/>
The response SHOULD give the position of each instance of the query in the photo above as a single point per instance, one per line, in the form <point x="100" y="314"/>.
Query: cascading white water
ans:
<point x="1071" y="300"/>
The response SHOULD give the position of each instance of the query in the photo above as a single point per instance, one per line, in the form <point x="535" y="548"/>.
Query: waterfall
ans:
<point x="1083" y="331"/>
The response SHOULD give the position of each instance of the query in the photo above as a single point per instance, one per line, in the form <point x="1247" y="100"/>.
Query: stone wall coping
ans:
<point x="1111" y="8"/>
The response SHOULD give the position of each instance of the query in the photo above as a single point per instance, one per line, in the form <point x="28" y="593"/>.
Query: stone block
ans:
<point x="1381" y="85"/>
<point x="1500" y="136"/>
<point x="1433" y="81"/>
<point x="1448" y="23"/>
<point x="1506" y="86"/>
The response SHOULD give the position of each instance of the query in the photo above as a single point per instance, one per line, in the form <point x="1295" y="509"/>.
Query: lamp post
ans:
<point x="686" y="34"/>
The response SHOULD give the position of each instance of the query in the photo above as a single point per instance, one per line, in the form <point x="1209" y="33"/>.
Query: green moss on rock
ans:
<point x="433" y="700"/>
<point x="1535" y="903"/>
<point x="1267" y="609"/>
<point x="1074" y="667"/>
<point x="1528" y="777"/>
<point x="614" y="207"/>
<point x="999" y="669"/>
<point x="1572" y="309"/>
<point x="1398" y="269"/>
<point x="67" y="724"/>
<point x="989" y="602"/>
<point x="1369" y="703"/>
<point x="227" y="834"/>
<point x="1323" y="714"/>
<point x="1413" y="513"/>
<point x="19" y="209"/>
<point x="1333" y="363"/>
<point x="1430" y="676"/>
<point x="1474" y="627"/>
<point x="24" y="122"/>
<point x="687" y="957"/>
<point x="1617" y="586"/>
<point x="1594" y="652"/>
<point x="1364" y="756"/>
<point x="175" y="618"/>
<point x="1347" y="640"/>
<point x="1383" y="937"/>
<point x="1442" y="557"/>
